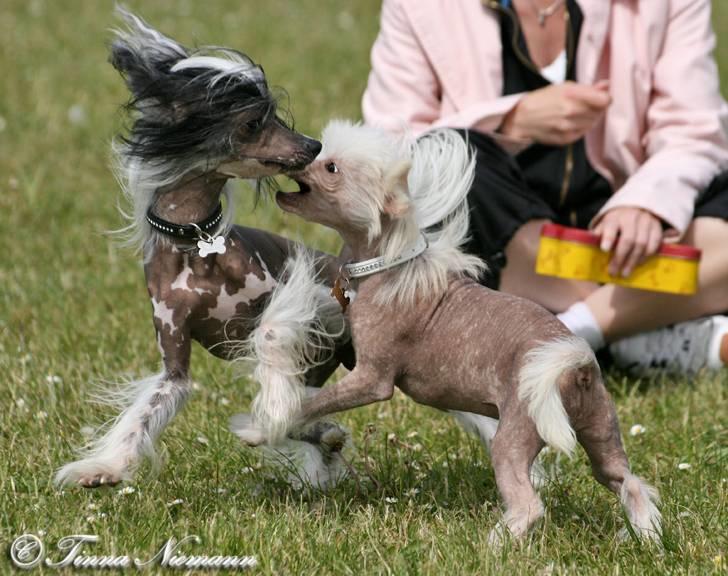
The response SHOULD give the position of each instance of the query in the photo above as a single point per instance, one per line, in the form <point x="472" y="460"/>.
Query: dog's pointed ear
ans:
<point x="142" y="54"/>
<point x="397" y="200"/>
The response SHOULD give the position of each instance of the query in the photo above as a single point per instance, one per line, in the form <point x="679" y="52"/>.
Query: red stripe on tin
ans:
<point x="585" y="237"/>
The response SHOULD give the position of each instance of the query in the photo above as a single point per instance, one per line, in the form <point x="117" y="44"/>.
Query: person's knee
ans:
<point x="523" y="245"/>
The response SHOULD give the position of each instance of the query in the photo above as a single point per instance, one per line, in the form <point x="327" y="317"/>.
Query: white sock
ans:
<point x="580" y="320"/>
<point x="720" y="329"/>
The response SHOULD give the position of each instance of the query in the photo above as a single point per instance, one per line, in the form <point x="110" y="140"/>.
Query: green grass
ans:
<point x="74" y="306"/>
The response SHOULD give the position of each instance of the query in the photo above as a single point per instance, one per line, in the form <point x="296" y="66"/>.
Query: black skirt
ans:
<point x="501" y="202"/>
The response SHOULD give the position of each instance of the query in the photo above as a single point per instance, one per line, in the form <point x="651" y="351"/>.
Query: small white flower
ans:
<point x="202" y="440"/>
<point x="390" y="500"/>
<point x="126" y="490"/>
<point x="102" y="515"/>
<point x="417" y="447"/>
<point x="412" y="434"/>
<point x="412" y="492"/>
<point x="247" y="470"/>
<point x="391" y="437"/>
<point x="92" y="506"/>
<point x="53" y="379"/>
<point x="637" y="429"/>
<point x="77" y="114"/>
<point x="196" y="387"/>
<point x="175" y="502"/>
<point x="224" y="401"/>
<point x="20" y="403"/>
<point x="87" y="431"/>
<point x="91" y="519"/>
<point x="41" y="415"/>
<point x="41" y="533"/>
<point x="684" y="466"/>
<point x="222" y="490"/>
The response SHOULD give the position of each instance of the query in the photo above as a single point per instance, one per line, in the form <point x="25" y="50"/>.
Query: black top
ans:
<point x="576" y="194"/>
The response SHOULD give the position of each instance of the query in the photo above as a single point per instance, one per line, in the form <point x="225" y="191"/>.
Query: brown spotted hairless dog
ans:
<point x="200" y="118"/>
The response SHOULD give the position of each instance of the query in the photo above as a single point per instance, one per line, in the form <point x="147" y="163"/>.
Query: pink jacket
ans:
<point x="663" y="138"/>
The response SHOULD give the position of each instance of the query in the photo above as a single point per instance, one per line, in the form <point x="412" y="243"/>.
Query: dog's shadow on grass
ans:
<point x="396" y="475"/>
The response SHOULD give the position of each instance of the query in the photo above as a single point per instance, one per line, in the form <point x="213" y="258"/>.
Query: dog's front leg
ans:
<point x="362" y="386"/>
<point x="147" y="405"/>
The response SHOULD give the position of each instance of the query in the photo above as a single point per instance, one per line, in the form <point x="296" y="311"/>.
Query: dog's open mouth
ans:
<point x="303" y="188"/>
<point x="283" y="165"/>
<point x="289" y="197"/>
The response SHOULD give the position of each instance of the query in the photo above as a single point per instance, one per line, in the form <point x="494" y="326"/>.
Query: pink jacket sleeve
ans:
<point x="404" y="91"/>
<point x="685" y="142"/>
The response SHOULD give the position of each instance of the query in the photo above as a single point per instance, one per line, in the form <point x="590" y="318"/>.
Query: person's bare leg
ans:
<point x="519" y="277"/>
<point x="619" y="311"/>
<point x="622" y="312"/>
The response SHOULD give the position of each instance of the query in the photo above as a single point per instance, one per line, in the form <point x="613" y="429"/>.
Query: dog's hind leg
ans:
<point x="147" y="406"/>
<point x="601" y="439"/>
<point x="513" y="450"/>
<point x="485" y="428"/>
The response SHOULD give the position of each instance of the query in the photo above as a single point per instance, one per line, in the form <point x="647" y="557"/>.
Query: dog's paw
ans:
<point x="91" y="474"/>
<point x="334" y="438"/>
<point x="328" y="435"/>
<point x="245" y="428"/>
<point x="498" y="535"/>
<point x="99" y="480"/>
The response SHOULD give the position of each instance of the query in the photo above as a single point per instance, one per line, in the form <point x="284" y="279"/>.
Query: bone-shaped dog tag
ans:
<point x="213" y="246"/>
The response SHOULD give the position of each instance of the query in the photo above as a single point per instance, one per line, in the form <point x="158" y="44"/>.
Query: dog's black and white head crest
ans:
<point x="188" y="104"/>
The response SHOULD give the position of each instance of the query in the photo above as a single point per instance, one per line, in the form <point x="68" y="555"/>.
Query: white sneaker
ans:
<point x="684" y="348"/>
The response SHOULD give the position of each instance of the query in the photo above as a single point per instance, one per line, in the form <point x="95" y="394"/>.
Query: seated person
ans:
<point x="587" y="113"/>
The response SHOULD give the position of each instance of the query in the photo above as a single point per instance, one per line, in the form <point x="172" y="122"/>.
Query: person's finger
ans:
<point x="608" y="231"/>
<point x="639" y="247"/>
<point x="624" y="246"/>
<point x="588" y="95"/>
<point x="625" y="242"/>
<point x="655" y="239"/>
<point x="602" y="85"/>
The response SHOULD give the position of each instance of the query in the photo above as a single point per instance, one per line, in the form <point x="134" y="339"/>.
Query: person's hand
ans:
<point x="633" y="234"/>
<point x="559" y="114"/>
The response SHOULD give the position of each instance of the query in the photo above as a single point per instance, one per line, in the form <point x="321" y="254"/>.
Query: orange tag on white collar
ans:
<point x="339" y="292"/>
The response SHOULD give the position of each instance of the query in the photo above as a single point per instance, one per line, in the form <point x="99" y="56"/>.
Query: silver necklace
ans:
<point x="544" y="13"/>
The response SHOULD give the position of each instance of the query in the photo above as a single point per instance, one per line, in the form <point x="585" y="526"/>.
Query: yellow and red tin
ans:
<point x="574" y="253"/>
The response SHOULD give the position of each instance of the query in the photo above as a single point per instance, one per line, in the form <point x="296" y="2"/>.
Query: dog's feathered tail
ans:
<point x="441" y="175"/>
<point x="539" y="380"/>
<point x="296" y="332"/>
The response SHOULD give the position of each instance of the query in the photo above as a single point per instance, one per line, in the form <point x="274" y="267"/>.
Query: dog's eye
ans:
<point x="331" y="167"/>
<point x="254" y="125"/>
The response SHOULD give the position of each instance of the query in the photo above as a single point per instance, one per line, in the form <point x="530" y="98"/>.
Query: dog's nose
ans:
<point x="313" y="147"/>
